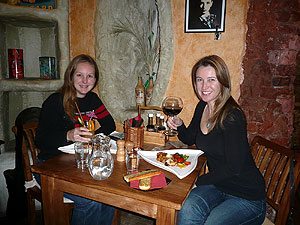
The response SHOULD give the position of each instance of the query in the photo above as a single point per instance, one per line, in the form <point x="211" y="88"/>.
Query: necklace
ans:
<point x="207" y="112"/>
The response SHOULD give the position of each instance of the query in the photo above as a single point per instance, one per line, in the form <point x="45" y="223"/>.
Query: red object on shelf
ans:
<point x="15" y="63"/>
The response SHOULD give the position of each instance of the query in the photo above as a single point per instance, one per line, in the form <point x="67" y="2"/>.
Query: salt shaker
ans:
<point x="121" y="150"/>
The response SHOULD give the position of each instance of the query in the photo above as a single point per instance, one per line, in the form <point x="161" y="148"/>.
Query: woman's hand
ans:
<point x="174" y="122"/>
<point x="76" y="134"/>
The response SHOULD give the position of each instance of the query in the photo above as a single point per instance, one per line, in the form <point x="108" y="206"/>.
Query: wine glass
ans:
<point x="172" y="106"/>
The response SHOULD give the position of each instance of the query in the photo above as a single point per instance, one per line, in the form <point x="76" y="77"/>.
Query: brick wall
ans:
<point x="270" y="68"/>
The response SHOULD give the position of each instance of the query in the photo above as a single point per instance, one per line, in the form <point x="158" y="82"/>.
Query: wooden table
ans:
<point x="60" y="175"/>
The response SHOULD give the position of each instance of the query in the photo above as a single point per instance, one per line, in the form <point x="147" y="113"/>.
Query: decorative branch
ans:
<point x="148" y="42"/>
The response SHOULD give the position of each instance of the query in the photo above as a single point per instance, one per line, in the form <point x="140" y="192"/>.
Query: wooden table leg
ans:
<point x="53" y="210"/>
<point x="165" y="216"/>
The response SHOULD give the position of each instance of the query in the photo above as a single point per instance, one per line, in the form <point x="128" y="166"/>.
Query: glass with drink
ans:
<point x="90" y="125"/>
<point x="172" y="106"/>
<point x="82" y="154"/>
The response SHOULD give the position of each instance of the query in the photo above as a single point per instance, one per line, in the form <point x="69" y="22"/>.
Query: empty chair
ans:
<point x="273" y="162"/>
<point x="29" y="158"/>
<point x="17" y="203"/>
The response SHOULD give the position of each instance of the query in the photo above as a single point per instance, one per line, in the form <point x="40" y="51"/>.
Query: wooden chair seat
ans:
<point x="273" y="162"/>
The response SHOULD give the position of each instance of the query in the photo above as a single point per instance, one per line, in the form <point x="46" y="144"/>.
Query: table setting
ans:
<point x="132" y="157"/>
<point x="128" y="148"/>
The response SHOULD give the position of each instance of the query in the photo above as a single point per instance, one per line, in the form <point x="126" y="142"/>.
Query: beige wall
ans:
<point x="189" y="47"/>
<point x="81" y="27"/>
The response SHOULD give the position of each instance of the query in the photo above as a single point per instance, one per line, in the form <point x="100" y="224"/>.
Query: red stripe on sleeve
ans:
<point x="103" y="114"/>
<point x="100" y="109"/>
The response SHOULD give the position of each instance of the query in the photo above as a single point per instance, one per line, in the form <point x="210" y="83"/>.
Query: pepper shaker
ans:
<point x="121" y="150"/>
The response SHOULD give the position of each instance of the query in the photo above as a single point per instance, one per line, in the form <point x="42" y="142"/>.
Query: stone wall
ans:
<point x="270" y="62"/>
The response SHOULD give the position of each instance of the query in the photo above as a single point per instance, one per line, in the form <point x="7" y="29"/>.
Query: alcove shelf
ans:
<point x="40" y="33"/>
<point x="30" y="85"/>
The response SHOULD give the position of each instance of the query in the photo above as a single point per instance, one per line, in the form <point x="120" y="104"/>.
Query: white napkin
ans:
<point x="69" y="149"/>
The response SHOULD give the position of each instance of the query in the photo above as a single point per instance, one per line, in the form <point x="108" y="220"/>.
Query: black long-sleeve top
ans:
<point x="230" y="163"/>
<point x="54" y="123"/>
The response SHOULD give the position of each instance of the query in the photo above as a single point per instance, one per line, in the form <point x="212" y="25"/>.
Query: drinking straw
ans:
<point x="79" y="113"/>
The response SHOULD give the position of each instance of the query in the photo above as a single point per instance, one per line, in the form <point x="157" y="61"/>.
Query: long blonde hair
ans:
<point x="68" y="89"/>
<point x="224" y="101"/>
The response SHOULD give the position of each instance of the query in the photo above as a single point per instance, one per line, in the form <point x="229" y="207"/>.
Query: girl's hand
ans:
<point x="174" y="122"/>
<point x="77" y="135"/>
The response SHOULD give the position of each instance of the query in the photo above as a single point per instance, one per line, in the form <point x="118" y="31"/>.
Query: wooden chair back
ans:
<point x="28" y="147"/>
<point x="29" y="158"/>
<point x="273" y="162"/>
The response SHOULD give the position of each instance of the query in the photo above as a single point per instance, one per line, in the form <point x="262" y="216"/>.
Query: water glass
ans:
<point x="132" y="162"/>
<point x="82" y="154"/>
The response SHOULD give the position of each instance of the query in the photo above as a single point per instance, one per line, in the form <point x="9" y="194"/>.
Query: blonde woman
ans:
<point x="233" y="192"/>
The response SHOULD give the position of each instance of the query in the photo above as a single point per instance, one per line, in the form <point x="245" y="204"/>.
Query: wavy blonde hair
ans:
<point x="224" y="101"/>
<point x="68" y="89"/>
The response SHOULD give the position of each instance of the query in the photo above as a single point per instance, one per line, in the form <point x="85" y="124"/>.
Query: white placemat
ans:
<point x="69" y="149"/>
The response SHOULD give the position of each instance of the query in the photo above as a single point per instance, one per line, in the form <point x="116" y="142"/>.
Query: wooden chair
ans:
<point x="33" y="192"/>
<point x="273" y="162"/>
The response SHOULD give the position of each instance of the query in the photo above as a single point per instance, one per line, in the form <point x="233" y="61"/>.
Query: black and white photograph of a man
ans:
<point x="205" y="15"/>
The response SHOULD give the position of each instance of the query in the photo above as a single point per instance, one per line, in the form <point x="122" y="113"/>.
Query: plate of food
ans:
<point x="180" y="162"/>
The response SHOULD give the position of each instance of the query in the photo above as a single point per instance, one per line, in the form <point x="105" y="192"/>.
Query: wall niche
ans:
<point x="39" y="32"/>
<point x="36" y="38"/>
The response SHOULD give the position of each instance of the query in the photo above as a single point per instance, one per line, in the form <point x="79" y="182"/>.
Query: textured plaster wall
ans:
<point x="36" y="32"/>
<point x="190" y="47"/>
<point x="181" y="50"/>
<point x="117" y="58"/>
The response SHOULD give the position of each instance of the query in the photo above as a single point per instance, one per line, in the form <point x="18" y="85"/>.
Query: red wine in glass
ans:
<point x="172" y="106"/>
<point x="172" y="111"/>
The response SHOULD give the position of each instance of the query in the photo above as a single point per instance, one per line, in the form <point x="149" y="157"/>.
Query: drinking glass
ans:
<point x="172" y="106"/>
<point x="82" y="154"/>
<point x="90" y="125"/>
<point x="132" y="162"/>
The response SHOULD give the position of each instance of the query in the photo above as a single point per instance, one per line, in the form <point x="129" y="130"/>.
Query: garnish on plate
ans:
<point x="176" y="159"/>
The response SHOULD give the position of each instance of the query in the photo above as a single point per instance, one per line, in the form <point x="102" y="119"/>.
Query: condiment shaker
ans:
<point x="121" y="150"/>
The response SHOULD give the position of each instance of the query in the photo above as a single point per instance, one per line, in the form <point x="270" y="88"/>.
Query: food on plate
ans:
<point x="141" y="175"/>
<point x="176" y="159"/>
<point x="145" y="184"/>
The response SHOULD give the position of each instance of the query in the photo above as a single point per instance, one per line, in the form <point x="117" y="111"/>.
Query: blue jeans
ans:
<point x="86" y="211"/>
<point x="207" y="205"/>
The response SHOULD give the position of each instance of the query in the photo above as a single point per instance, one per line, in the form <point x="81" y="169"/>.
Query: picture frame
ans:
<point x="204" y="16"/>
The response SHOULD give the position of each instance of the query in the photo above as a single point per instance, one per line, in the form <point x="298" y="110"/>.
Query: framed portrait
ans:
<point x="204" y="16"/>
